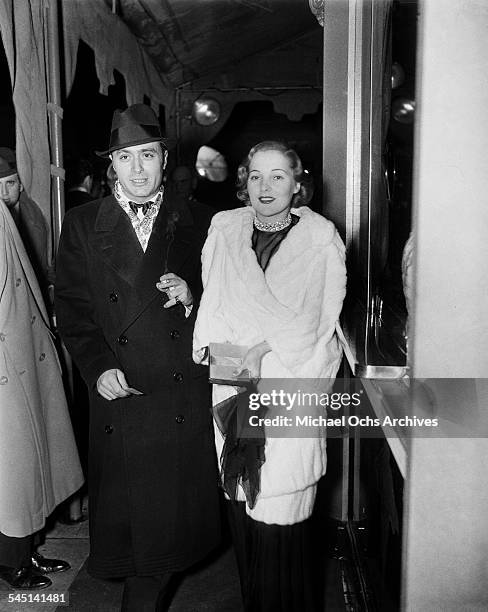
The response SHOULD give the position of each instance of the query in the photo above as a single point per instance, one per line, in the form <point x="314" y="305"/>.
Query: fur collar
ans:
<point x="239" y="223"/>
<point x="235" y="229"/>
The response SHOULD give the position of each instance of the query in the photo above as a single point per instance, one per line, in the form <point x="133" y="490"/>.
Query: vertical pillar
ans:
<point x="446" y="520"/>
<point x="335" y="109"/>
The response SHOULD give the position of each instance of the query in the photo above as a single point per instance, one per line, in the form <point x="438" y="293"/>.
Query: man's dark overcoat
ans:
<point x="152" y="472"/>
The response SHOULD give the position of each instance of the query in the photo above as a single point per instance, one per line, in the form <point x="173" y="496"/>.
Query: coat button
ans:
<point x="17" y="282"/>
<point x="42" y="356"/>
<point x="113" y="297"/>
<point x="177" y="376"/>
<point x="175" y="334"/>
<point x="3" y="380"/>
<point x="109" y="429"/>
<point x="2" y="337"/>
<point x="122" y="340"/>
<point x="180" y="419"/>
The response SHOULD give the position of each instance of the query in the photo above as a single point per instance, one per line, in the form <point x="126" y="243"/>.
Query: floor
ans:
<point x="213" y="587"/>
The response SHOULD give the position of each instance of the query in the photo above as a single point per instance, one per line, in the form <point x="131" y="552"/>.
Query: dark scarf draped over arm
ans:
<point x="242" y="457"/>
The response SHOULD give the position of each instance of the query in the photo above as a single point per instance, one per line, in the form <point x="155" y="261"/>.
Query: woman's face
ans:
<point x="271" y="185"/>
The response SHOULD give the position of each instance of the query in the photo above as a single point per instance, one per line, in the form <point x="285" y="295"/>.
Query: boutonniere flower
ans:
<point x="173" y="218"/>
<point x="171" y="223"/>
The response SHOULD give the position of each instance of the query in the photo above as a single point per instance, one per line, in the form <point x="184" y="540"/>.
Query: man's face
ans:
<point x="10" y="190"/>
<point x="140" y="170"/>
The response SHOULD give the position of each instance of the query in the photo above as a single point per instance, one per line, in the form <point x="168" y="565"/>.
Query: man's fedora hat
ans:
<point x="136" y="125"/>
<point x="8" y="163"/>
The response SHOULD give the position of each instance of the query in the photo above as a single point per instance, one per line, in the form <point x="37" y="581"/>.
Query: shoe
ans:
<point x="24" y="578"/>
<point x="48" y="566"/>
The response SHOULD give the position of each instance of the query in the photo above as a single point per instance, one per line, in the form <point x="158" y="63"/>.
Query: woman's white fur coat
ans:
<point x="294" y="306"/>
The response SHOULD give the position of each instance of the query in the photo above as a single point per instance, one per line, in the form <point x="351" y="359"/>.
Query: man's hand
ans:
<point x="112" y="385"/>
<point x="176" y="289"/>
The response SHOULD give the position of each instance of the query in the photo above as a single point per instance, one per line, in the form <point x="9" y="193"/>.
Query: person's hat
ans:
<point x="136" y="125"/>
<point x="8" y="163"/>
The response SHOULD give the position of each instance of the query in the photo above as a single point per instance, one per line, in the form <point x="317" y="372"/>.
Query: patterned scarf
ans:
<point x="142" y="227"/>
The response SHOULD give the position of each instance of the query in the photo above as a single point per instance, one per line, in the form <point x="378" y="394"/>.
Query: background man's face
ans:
<point x="140" y="170"/>
<point x="183" y="181"/>
<point x="10" y="190"/>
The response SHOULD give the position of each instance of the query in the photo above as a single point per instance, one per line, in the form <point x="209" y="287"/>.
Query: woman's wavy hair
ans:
<point x="302" y="197"/>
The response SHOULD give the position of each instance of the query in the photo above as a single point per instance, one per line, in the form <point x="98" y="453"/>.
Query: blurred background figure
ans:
<point x="183" y="182"/>
<point x="79" y="182"/>
<point x="39" y="465"/>
<point x="407" y="272"/>
<point x="407" y="282"/>
<point x="29" y="220"/>
<point x="110" y="179"/>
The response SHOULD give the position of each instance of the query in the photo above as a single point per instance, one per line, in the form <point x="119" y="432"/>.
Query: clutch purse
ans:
<point x="224" y="360"/>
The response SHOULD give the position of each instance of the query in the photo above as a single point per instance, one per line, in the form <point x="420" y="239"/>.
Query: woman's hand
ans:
<point x="176" y="289"/>
<point x="201" y="355"/>
<point x="252" y="360"/>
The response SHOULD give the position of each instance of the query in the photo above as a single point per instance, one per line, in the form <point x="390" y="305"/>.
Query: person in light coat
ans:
<point x="274" y="281"/>
<point x="30" y="222"/>
<point x="39" y="465"/>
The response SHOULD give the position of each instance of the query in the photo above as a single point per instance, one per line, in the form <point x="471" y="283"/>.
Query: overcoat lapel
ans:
<point x="151" y="268"/>
<point x="116" y="241"/>
<point x="166" y="252"/>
